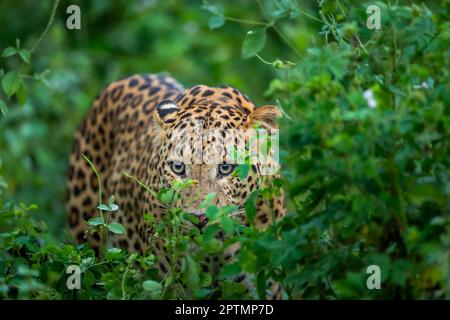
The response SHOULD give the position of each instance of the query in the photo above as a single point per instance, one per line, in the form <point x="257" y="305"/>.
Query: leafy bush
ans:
<point x="365" y="157"/>
<point x="368" y="154"/>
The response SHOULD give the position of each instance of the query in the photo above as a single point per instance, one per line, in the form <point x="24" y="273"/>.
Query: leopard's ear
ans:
<point x="265" y="116"/>
<point x="166" y="112"/>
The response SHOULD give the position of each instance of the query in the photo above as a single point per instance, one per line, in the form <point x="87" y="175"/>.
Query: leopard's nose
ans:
<point x="202" y="219"/>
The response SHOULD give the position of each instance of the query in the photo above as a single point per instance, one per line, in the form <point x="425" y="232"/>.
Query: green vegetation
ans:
<point x="364" y="145"/>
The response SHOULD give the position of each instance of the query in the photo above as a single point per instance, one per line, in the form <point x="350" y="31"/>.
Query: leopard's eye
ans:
<point x="225" y="169"/>
<point x="178" y="167"/>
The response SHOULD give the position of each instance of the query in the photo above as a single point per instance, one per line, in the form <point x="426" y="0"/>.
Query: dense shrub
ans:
<point x="365" y="160"/>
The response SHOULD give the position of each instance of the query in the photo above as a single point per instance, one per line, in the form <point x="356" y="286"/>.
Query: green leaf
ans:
<point x="88" y="279"/>
<point x="209" y="233"/>
<point x="116" y="227"/>
<point x="168" y="196"/>
<point x="114" y="250"/>
<point x="243" y="171"/>
<point x="191" y="273"/>
<point x="3" y="108"/>
<point x="216" y="22"/>
<point x="212" y="213"/>
<point x="208" y="201"/>
<point x="25" y="55"/>
<point x="437" y="221"/>
<point x="225" y="210"/>
<point x="231" y="270"/>
<point x="330" y="59"/>
<point x="113" y="253"/>
<point x="250" y="206"/>
<point x="254" y="42"/>
<point x="149" y="218"/>
<point x="11" y="83"/>
<point x="21" y="240"/>
<point x="248" y="261"/>
<point x="111" y="207"/>
<point x="228" y="224"/>
<point x="8" y="52"/>
<point x="154" y="287"/>
<point x="205" y="279"/>
<point x="96" y="221"/>
<point x="103" y="207"/>
<point x="148" y="260"/>
<point x="213" y="247"/>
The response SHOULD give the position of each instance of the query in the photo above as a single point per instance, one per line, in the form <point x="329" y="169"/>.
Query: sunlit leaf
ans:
<point x="96" y="221"/>
<point x="116" y="227"/>
<point x="254" y="42"/>
<point x="216" y="22"/>
<point x="11" y="82"/>
<point x="8" y="52"/>
<point x="25" y="55"/>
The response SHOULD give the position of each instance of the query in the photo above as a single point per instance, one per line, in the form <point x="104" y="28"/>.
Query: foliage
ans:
<point x="364" y="141"/>
<point x="367" y="180"/>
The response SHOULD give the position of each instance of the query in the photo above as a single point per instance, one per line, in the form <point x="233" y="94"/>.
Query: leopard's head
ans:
<point x="203" y="135"/>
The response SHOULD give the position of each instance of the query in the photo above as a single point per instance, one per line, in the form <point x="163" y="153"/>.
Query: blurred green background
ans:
<point x="365" y="184"/>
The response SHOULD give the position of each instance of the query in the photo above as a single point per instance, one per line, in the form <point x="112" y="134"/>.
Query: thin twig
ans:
<point x="253" y="22"/>
<point x="309" y="15"/>
<point x="262" y="60"/>
<point x="123" y="282"/>
<point x="47" y="28"/>
<point x="286" y="40"/>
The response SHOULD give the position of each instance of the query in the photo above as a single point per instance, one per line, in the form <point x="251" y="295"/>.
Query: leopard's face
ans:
<point x="199" y="141"/>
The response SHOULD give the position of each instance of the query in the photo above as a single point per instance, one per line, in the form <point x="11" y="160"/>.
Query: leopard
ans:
<point x="146" y="126"/>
